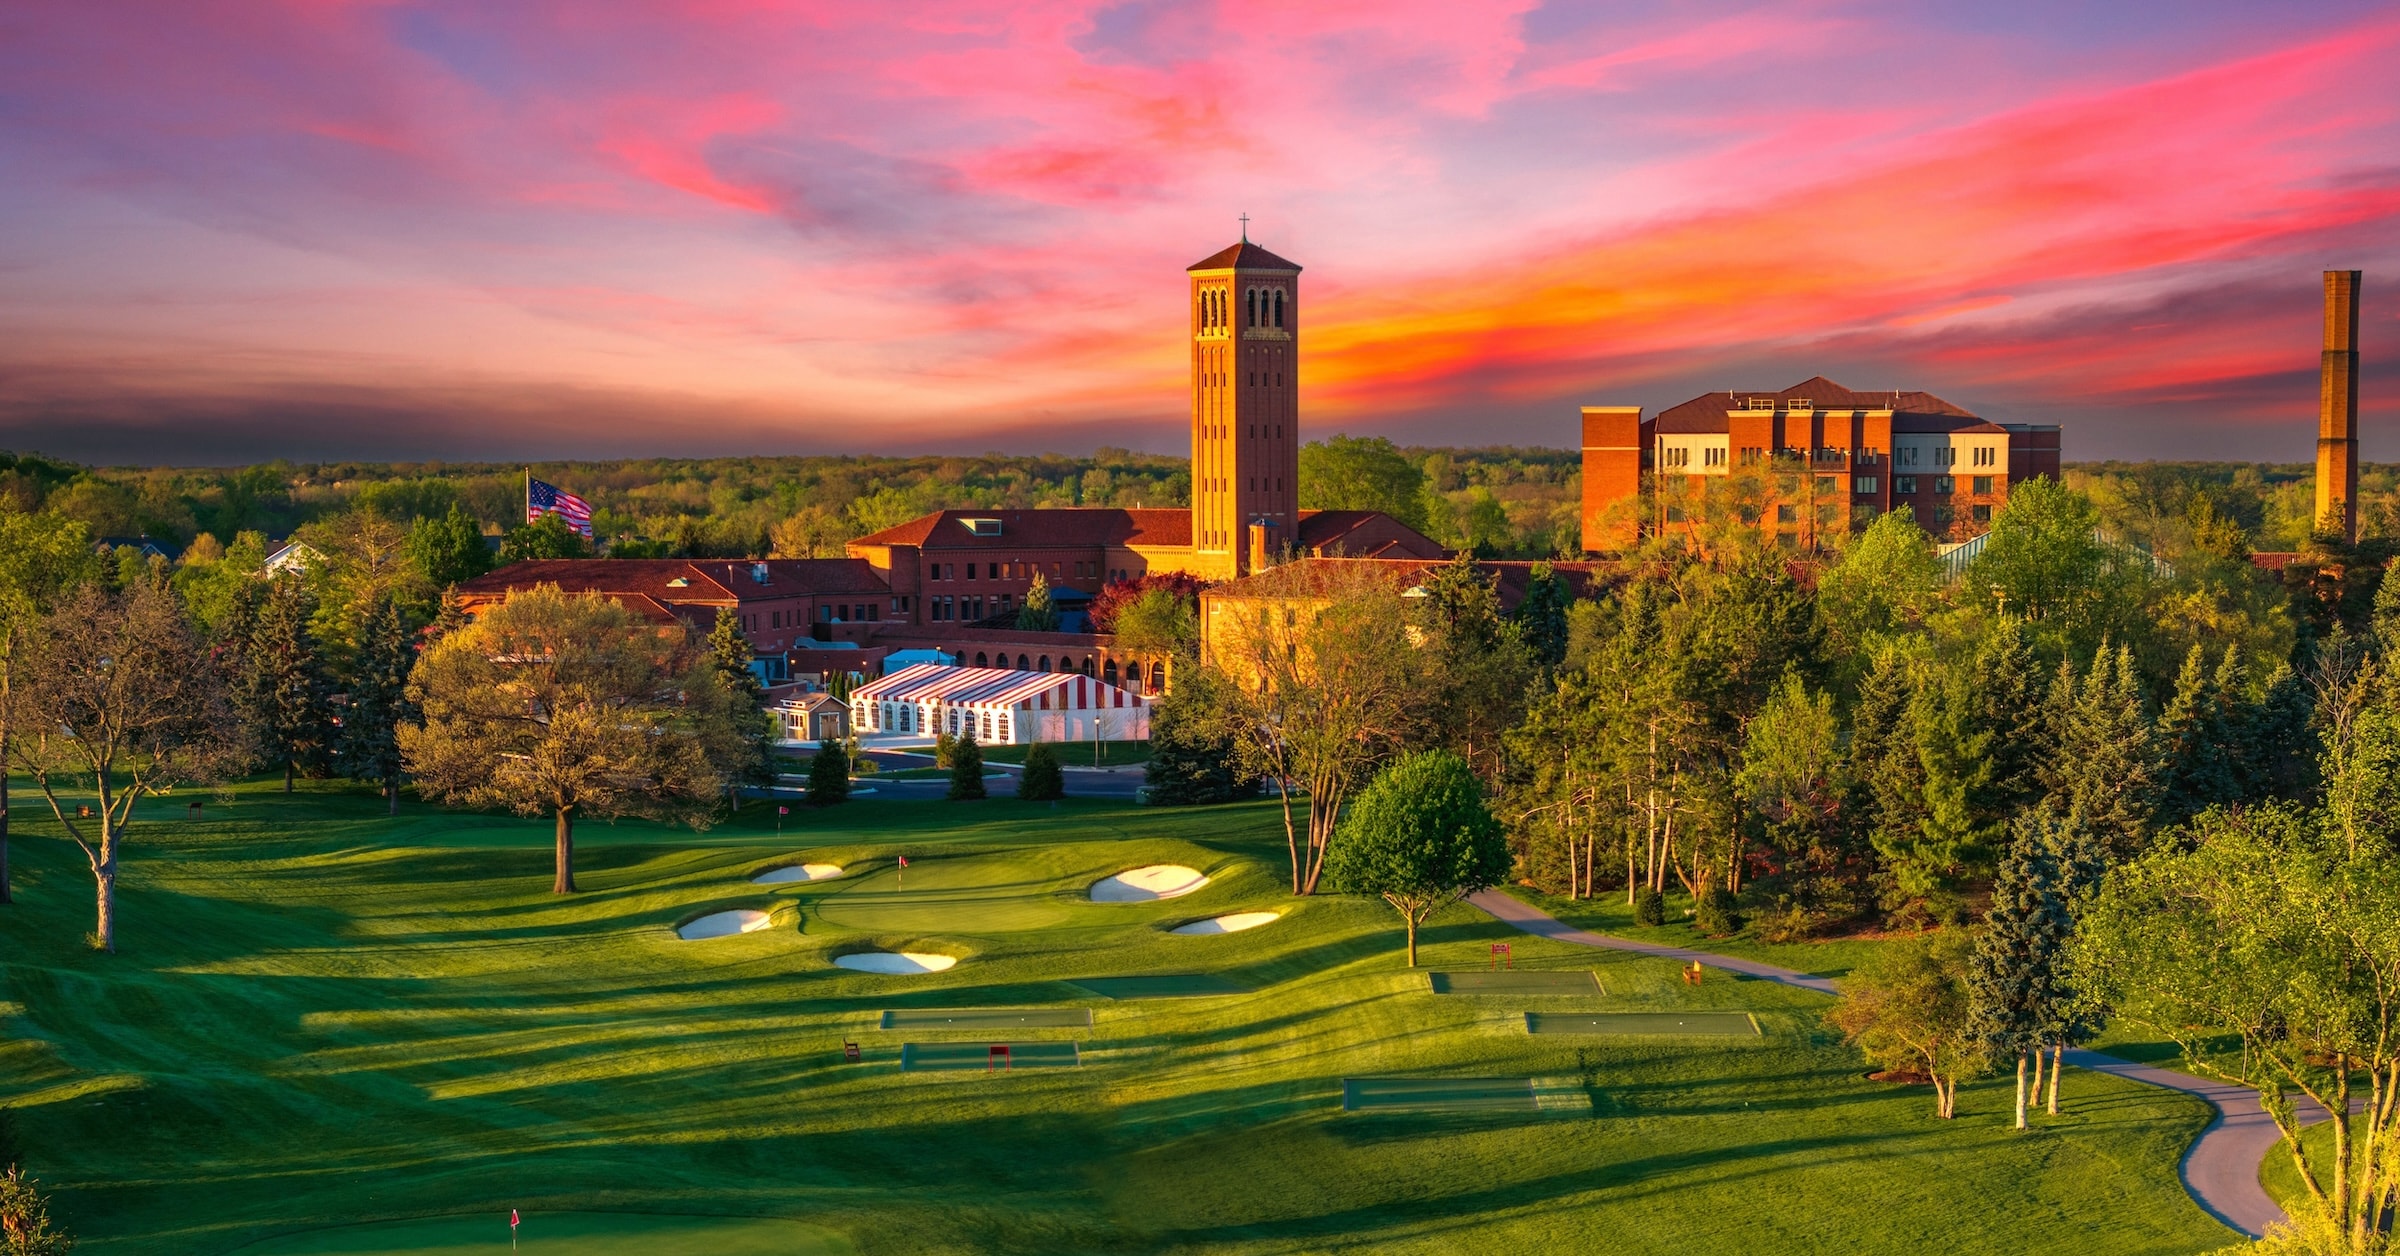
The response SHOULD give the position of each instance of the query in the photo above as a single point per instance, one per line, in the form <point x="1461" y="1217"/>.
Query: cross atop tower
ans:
<point x="1245" y="228"/>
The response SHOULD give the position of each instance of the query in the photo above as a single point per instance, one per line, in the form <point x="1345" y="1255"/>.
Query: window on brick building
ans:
<point x="1864" y="484"/>
<point x="1787" y="514"/>
<point x="1983" y="484"/>
<point x="1712" y="457"/>
<point x="1904" y="484"/>
<point x="1983" y="514"/>
<point x="1945" y="484"/>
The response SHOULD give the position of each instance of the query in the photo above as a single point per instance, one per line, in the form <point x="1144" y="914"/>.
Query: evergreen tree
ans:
<point x="449" y="617"/>
<point x="1041" y="780"/>
<point x="1542" y="616"/>
<point x="448" y="549"/>
<point x="2279" y="741"/>
<point x="1192" y="756"/>
<point x="966" y="768"/>
<point x="378" y="685"/>
<point x="829" y="774"/>
<point x="282" y="696"/>
<point x="2387" y="615"/>
<point x="2196" y="735"/>
<point x="2103" y="762"/>
<point x="730" y="651"/>
<point x="1037" y="614"/>
<point x="2007" y="710"/>
<point x="2013" y="983"/>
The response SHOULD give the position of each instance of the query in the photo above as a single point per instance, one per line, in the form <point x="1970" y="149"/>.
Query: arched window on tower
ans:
<point x="1279" y="307"/>
<point x="1250" y="307"/>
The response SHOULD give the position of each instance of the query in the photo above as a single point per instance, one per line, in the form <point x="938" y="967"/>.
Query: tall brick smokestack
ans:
<point x="2337" y="408"/>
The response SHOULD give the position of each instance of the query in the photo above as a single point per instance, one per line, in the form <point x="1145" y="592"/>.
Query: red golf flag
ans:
<point x="512" y="1218"/>
<point x="782" y="810"/>
<point x="903" y="861"/>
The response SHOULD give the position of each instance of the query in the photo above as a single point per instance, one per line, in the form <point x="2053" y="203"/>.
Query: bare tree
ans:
<point x="119" y="696"/>
<point x="40" y="556"/>
<point x="1327" y="684"/>
<point x="566" y="705"/>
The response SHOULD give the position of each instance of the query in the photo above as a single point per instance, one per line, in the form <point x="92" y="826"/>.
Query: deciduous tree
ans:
<point x="41" y="556"/>
<point x="567" y="706"/>
<point x="1908" y="1008"/>
<point x="119" y="698"/>
<point x="1419" y="838"/>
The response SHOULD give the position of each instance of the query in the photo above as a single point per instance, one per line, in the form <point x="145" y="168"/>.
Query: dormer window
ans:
<point x="982" y="527"/>
<point x="679" y="582"/>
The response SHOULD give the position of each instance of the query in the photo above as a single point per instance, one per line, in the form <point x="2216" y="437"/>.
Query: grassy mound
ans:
<point x="321" y="1015"/>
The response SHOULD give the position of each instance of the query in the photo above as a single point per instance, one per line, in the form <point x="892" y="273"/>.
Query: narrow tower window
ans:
<point x="1279" y="307"/>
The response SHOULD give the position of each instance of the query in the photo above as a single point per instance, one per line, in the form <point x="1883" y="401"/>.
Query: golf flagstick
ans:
<point x="512" y="1229"/>
<point x="900" y="878"/>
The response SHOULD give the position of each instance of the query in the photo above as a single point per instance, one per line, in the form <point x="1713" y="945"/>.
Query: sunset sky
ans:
<point x="480" y="230"/>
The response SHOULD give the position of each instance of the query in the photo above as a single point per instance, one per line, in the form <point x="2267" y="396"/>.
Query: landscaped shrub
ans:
<point x="1649" y="907"/>
<point x="1714" y="913"/>
<point x="1041" y="780"/>
<point x="966" y="769"/>
<point x="944" y="745"/>
<point x="829" y="775"/>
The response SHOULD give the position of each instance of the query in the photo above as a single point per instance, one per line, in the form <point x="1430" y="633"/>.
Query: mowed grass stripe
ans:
<point x="1517" y="981"/>
<point x="1645" y="1024"/>
<point x="923" y="1057"/>
<point x="1437" y="1094"/>
<point x="988" y="1018"/>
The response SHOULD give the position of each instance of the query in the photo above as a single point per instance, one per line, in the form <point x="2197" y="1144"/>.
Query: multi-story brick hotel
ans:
<point x="1812" y="459"/>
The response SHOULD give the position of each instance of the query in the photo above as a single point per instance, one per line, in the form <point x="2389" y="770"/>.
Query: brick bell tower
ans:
<point x="1245" y="308"/>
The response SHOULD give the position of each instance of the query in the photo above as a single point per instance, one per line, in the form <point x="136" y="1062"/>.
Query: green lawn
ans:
<point x="322" y="1016"/>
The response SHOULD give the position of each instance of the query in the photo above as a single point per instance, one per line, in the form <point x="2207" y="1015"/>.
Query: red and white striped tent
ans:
<point x="1002" y="705"/>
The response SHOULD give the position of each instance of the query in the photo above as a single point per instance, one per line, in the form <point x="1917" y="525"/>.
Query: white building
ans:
<point x="1001" y="706"/>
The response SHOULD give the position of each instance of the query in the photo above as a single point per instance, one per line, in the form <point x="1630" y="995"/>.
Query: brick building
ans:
<point x="954" y="580"/>
<point x="1811" y="460"/>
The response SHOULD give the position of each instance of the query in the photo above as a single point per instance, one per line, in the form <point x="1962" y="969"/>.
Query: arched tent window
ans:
<point x="980" y="660"/>
<point x="1158" y="676"/>
<point x="1109" y="672"/>
<point x="1279" y="307"/>
<point x="1087" y="665"/>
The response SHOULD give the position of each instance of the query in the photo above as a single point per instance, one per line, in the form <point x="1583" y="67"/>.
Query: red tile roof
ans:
<point x="1511" y="577"/>
<point x="1922" y="410"/>
<point x="684" y="581"/>
<point x="1074" y="527"/>
<point x="1243" y="256"/>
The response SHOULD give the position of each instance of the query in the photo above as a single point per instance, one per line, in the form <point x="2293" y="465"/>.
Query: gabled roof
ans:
<point x="1243" y="256"/>
<point x="1041" y="529"/>
<point x="1706" y="413"/>
<point x="1341" y="531"/>
<point x="683" y="581"/>
<point x="932" y="682"/>
<point x="1510" y="577"/>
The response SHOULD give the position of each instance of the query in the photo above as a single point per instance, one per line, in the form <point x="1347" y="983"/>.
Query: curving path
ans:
<point x="2220" y="1171"/>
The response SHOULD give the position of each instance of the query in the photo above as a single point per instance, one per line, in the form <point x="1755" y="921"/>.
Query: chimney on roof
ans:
<point x="2337" y="409"/>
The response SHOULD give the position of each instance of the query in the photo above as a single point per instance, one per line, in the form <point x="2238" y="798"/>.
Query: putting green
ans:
<point x="1161" y="986"/>
<point x="1517" y="981"/>
<point x="924" y="1057"/>
<point x="1437" y="1094"/>
<point x="581" y="1233"/>
<point x="1703" y="1024"/>
<point x="983" y="894"/>
<point x="988" y="1018"/>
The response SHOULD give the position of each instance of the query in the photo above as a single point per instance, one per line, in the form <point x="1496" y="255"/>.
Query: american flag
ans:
<point x="549" y="499"/>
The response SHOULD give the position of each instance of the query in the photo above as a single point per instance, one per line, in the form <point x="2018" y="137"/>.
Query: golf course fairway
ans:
<point x="320" y="1018"/>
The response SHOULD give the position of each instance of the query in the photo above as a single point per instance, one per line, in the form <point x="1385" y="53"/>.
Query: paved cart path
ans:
<point x="2221" y="1170"/>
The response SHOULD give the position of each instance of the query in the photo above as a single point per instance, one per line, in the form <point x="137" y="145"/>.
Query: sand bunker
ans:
<point x="1234" y="923"/>
<point x="723" y="924"/>
<point x="895" y="963"/>
<point x="1144" y="885"/>
<point x="797" y="872"/>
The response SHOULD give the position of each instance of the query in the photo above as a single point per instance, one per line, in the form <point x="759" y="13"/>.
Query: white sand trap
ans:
<point x="723" y="924"/>
<point x="1234" y="923"/>
<point x="895" y="963"/>
<point x="1145" y="885"/>
<point x="798" y="872"/>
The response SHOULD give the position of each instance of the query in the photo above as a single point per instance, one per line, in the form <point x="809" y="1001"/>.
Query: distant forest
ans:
<point x="1502" y="502"/>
